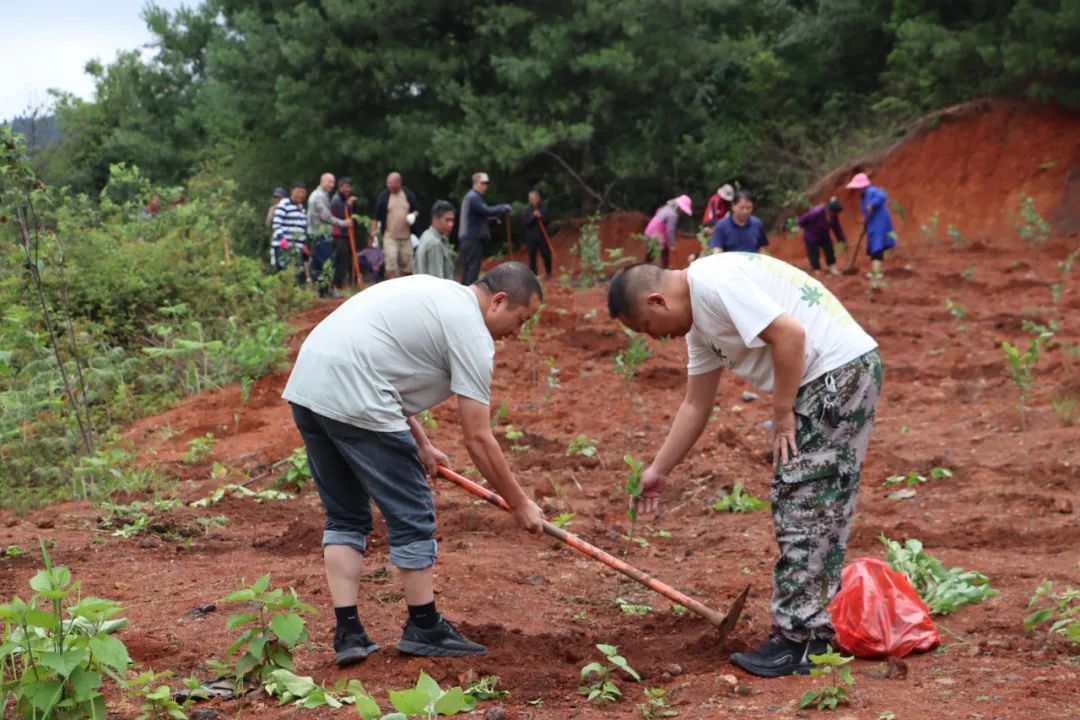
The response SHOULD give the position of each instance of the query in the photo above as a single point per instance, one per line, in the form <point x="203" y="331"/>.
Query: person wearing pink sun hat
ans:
<point x="880" y="235"/>
<point x="662" y="226"/>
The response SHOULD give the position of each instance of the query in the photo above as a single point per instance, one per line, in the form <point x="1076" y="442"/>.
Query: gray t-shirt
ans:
<point x="392" y="351"/>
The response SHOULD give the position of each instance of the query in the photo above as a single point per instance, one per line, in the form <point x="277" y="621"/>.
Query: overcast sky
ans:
<point x="47" y="43"/>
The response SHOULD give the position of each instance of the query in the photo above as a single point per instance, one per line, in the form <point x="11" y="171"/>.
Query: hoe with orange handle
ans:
<point x="551" y="247"/>
<point x="724" y="623"/>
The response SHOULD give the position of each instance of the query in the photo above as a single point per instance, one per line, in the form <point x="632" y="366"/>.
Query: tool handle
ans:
<point x="543" y="229"/>
<point x="594" y="552"/>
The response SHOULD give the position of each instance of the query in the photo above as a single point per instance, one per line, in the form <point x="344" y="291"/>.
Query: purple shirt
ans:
<point x="816" y="225"/>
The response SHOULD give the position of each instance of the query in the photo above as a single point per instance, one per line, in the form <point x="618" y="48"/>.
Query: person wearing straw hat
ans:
<point x="817" y="223"/>
<point x="880" y="235"/>
<point x="719" y="205"/>
<point x="662" y="226"/>
<point x="740" y="231"/>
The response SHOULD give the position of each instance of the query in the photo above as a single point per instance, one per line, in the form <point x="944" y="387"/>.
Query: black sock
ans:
<point x="348" y="619"/>
<point x="424" y="617"/>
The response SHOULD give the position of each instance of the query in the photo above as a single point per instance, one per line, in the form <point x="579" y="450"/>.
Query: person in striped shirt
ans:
<point x="287" y="243"/>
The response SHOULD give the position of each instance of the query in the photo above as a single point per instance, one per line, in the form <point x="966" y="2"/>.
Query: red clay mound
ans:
<point x="973" y="168"/>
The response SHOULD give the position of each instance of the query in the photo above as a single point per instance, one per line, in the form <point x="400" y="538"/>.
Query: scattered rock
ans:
<point x="1063" y="505"/>
<point x="1012" y="677"/>
<point x="743" y="690"/>
<point x="945" y="681"/>
<point x="1040" y="679"/>
<point x="895" y="669"/>
<point x="749" y="396"/>
<point x="768" y="425"/>
<point x="729" y="679"/>
<point x="534" y="580"/>
<point x="206" y="714"/>
<point x="666" y="677"/>
<point x="201" y="611"/>
<point x="495" y="713"/>
<point x="149" y="542"/>
<point x="736" y="409"/>
<point x="674" y="669"/>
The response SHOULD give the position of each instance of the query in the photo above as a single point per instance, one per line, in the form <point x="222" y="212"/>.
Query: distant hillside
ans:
<point x="41" y="131"/>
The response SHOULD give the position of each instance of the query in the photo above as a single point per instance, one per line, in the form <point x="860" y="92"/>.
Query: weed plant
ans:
<point x="600" y="687"/>
<point x="830" y="664"/>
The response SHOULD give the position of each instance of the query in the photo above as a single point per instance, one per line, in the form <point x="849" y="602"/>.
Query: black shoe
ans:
<point x="443" y="640"/>
<point x="780" y="656"/>
<point x="352" y="647"/>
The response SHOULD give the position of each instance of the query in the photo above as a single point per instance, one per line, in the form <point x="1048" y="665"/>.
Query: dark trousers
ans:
<point x="472" y="252"/>
<point x="539" y="245"/>
<point x="322" y="252"/>
<point x="665" y="256"/>
<point x="343" y="264"/>
<point x="813" y="255"/>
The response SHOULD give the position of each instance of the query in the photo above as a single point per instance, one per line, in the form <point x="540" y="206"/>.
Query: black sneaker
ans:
<point x="352" y="647"/>
<point x="443" y="640"/>
<point x="780" y="656"/>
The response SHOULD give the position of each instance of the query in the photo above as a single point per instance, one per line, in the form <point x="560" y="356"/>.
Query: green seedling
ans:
<point x="58" y="650"/>
<point x="1032" y="227"/>
<point x="678" y="609"/>
<point x="239" y="491"/>
<point x="13" y="551"/>
<point x="628" y="363"/>
<point x="427" y="419"/>
<point x="297" y="473"/>
<point x="629" y="608"/>
<point x="655" y="705"/>
<point x="830" y="664"/>
<point x="499" y="416"/>
<point x="485" y="688"/>
<point x="588" y="251"/>
<point x="303" y="691"/>
<point x="199" y="449"/>
<point x="136" y="517"/>
<point x="969" y="273"/>
<point x="581" y="445"/>
<point x="633" y="490"/>
<point x="739" y="501"/>
<point x="1062" y="614"/>
<point x="155" y="697"/>
<point x="943" y="590"/>
<point x="957" y="239"/>
<point x="563" y="520"/>
<point x="929" y="229"/>
<point x="957" y="311"/>
<point x="428" y="700"/>
<point x="599" y="677"/>
<point x="268" y="634"/>
<point x="552" y="378"/>
<point x="1021" y="367"/>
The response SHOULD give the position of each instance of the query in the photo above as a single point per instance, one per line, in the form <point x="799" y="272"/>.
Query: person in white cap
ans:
<point x="719" y="205"/>
<point x="880" y="235"/>
<point x="663" y="224"/>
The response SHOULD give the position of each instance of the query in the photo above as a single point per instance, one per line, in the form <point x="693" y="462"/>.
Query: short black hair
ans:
<point x="345" y="181"/>
<point x="743" y="195"/>
<point x="515" y="279"/>
<point x="441" y="207"/>
<point x="297" y="184"/>
<point x="627" y="284"/>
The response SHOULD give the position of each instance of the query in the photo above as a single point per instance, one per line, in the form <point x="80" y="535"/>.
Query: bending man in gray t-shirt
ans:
<point x="362" y="375"/>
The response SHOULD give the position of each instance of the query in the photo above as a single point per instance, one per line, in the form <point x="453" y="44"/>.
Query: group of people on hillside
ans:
<point x="734" y="228"/>
<point x="308" y="239"/>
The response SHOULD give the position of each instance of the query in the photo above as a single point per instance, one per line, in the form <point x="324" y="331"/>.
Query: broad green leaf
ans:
<point x="300" y="686"/>
<point x="620" y="662"/>
<point x="62" y="663"/>
<point x="288" y="628"/>
<point x="427" y="685"/>
<point x="244" y="595"/>
<point x="109" y="651"/>
<point x="41" y="619"/>
<point x="84" y="682"/>
<point x="1038" y="618"/>
<point x="410" y="702"/>
<point x="593" y="667"/>
<point x="607" y="649"/>
<point x="366" y="707"/>
<point x="807" y="699"/>
<point x="237" y="620"/>
<point x="262" y="583"/>
<point x="454" y="701"/>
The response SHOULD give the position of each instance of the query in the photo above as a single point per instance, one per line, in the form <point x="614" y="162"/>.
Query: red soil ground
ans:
<point x="1009" y="510"/>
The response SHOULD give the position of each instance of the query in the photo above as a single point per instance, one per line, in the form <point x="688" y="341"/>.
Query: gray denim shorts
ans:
<point x="351" y="467"/>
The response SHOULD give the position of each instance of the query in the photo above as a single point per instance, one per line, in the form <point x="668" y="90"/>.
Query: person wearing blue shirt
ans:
<point x="740" y="231"/>
<point x="880" y="235"/>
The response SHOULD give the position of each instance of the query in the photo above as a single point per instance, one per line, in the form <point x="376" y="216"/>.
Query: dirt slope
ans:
<point x="1010" y="509"/>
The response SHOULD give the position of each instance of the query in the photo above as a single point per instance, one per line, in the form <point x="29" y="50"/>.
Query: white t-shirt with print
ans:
<point x="393" y="350"/>
<point x="736" y="295"/>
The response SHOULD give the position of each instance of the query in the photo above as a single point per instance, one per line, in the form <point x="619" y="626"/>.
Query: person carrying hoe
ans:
<point x="784" y="332"/>
<point x="361" y="377"/>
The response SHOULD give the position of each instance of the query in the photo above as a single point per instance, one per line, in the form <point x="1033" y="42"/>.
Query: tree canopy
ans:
<point x="600" y="103"/>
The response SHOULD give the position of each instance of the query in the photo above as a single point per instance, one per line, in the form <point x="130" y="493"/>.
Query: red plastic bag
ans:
<point x="878" y="614"/>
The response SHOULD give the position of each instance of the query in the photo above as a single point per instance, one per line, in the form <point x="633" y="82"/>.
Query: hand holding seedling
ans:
<point x="784" y="446"/>
<point x="652" y="485"/>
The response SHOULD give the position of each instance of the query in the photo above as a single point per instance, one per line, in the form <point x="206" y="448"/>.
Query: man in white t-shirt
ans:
<point x="784" y="332"/>
<point x="361" y="377"/>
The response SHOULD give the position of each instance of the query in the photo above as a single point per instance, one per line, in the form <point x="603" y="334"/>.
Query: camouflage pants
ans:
<point x="813" y="497"/>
